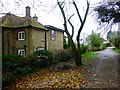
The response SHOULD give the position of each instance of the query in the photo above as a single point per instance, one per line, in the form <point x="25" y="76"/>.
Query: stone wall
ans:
<point x="6" y="41"/>
<point x="11" y="42"/>
<point x="57" y="43"/>
<point x="34" y="39"/>
<point x="38" y="39"/>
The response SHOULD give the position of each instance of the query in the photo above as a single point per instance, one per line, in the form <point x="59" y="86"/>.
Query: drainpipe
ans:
<point x="45" y="40"/>
<point x="8" y="41"/>
<point x="2" y="41"/>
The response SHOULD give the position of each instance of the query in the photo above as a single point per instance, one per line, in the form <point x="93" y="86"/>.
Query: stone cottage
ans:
<point x="25" y="35"/>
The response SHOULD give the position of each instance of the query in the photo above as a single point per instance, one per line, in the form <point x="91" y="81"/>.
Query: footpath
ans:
<point x="104" y="72"/>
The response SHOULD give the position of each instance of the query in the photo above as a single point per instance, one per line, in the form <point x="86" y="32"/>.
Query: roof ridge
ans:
<point x="11" y="20"/>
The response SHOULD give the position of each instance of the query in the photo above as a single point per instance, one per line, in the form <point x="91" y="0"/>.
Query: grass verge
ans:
<point x="89" y="57"/>
<point x="117" y="50"/>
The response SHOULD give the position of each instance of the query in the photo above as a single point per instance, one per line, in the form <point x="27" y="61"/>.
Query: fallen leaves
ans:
<point x="69" y="78"/>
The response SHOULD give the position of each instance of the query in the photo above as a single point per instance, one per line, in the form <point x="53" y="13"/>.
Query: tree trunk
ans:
<point x="78" y="59"/>
<point x="75" y="52"/>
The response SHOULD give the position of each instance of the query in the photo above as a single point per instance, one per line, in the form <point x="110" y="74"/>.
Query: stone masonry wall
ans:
<point x="57" y="43"/>
<point x="38" y="39"/>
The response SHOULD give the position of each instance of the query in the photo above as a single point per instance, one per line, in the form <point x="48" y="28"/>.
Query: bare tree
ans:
<point x="75" y="50"/>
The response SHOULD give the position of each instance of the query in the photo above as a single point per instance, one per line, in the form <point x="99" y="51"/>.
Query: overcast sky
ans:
<point x="48" y="12"/>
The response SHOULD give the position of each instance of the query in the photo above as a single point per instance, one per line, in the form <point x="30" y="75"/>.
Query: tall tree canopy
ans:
<point x="108" y="15"/>
<point x="95" y="39"/>
<point x="108" y="12"/>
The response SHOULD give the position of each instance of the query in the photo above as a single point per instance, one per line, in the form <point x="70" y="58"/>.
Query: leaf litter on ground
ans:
<point x="72" y="77"/>
<point x="62" y="75"/>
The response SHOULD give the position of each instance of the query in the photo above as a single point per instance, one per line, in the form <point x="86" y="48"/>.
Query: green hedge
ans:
<point x="14" y="65"/>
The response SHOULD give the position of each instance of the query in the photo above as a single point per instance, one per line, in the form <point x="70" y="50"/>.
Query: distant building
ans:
<point x="25" y="35"/>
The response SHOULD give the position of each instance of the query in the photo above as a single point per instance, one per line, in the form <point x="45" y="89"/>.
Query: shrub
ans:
<point x="104" y="46"/>
<point x="63" y="55"/>
<point x="7" y="79"/>
<point x="10" y="61"/>
<point x="43" y="54"/>
<point x="117" y="50"/>
<point x="108" y="44"/>
<point x="24" y="70"/>
<point x="83" y="48"/>
<point x="45" y="57"/>
<point x="16" y="65"/>
<point x="11" y="57"/>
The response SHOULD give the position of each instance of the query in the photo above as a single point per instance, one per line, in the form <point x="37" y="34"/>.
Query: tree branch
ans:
<point x="77" y="11"/>
<point x="65" y="21"/>
<point x="71" y="25"/>
<point x="1" y="2"/>
<point x="82" y="24"/>
<point x="62" y="11"/>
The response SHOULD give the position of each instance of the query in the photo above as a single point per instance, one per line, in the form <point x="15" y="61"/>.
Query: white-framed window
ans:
<point x="21" y="52"/>
<point x="21" y="35"/>
<point x="53" y="35"/>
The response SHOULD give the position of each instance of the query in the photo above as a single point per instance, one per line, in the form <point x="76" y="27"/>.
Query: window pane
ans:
<point x="53" y="34"/>
<point x="21" y="52"/>
<point x="21" y="35"/>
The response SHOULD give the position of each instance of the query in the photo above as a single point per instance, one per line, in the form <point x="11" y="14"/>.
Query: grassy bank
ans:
<point x="89" y="57"/>
<point x="117" y="50"/>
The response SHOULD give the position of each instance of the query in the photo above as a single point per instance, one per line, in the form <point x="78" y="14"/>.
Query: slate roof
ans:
<point x="13" y="21"/>
<point x="54" y="28"/>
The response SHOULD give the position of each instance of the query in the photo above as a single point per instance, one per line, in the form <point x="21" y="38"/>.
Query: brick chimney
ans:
<point x="27" y="11"/>
<point x="35" y="17"/>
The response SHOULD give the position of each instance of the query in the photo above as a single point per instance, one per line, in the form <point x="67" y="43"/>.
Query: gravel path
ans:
<point x="104" y="72"/>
